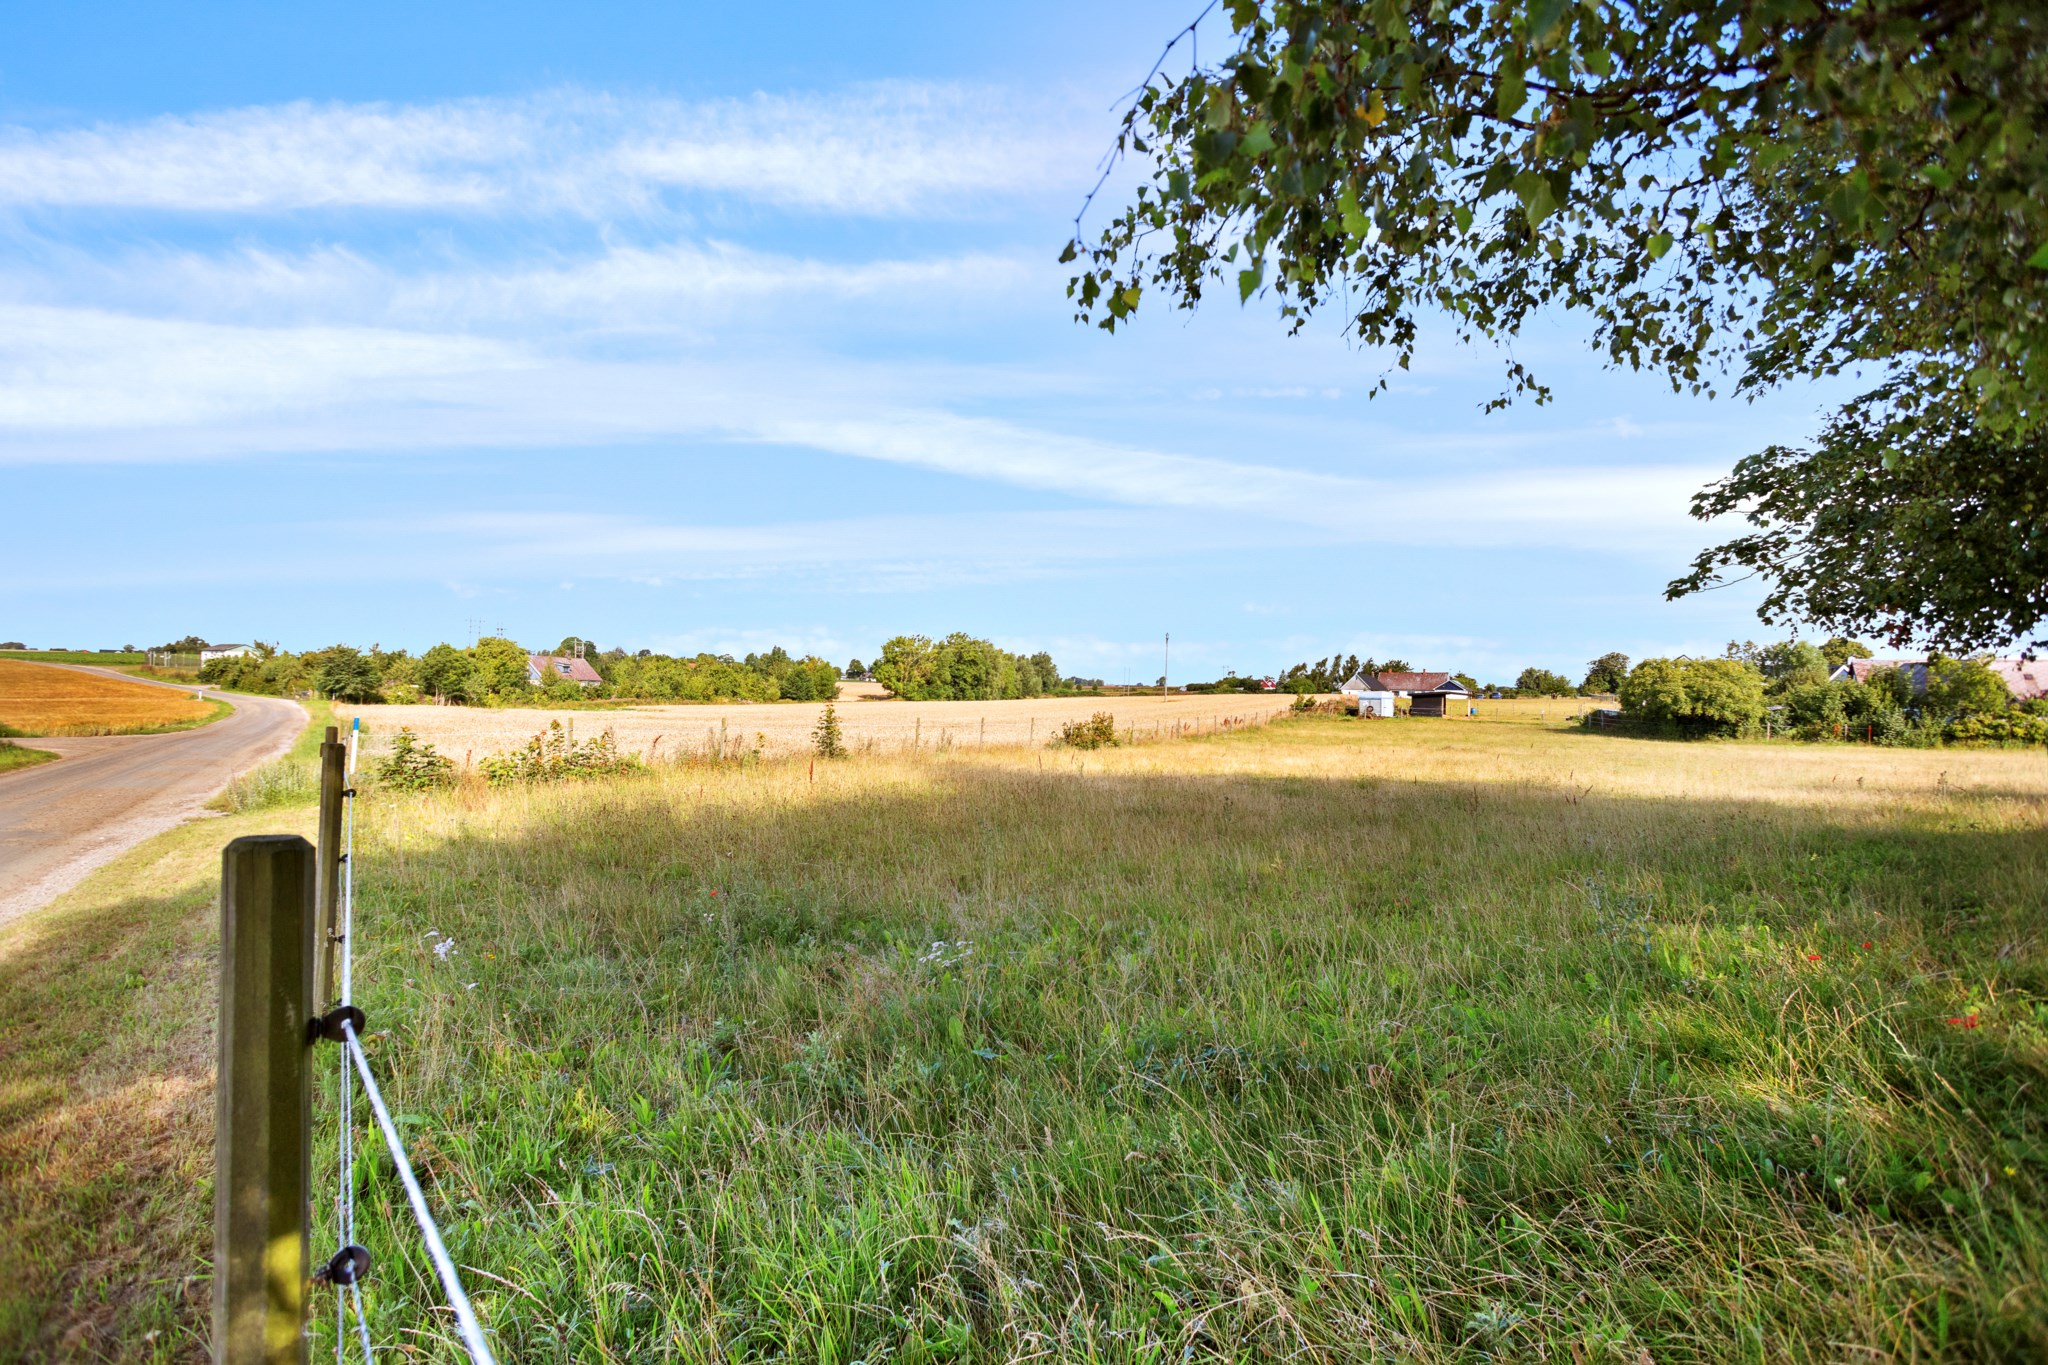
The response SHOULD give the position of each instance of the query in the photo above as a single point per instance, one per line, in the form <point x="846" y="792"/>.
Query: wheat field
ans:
<point x="779" y="729"/>
<point x="36" y="699"/>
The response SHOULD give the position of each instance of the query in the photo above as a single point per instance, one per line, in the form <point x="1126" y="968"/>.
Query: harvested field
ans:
<point x="36" y="699"/>
<point x="782" y="728"/>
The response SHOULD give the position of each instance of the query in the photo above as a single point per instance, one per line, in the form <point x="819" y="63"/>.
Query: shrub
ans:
<point x="1695" y="696"/>
<point x="2007" y="728"/>
<point x="553" y="755"/>
<point x="1815" y="710"/>
<point x="401" y="694"/>
<point x="1096" y="732"/>
<point x="826" y="736"/>
<point x="413" y="765"/>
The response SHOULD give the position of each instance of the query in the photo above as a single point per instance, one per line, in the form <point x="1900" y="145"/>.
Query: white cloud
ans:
<point x="886" y="149"/>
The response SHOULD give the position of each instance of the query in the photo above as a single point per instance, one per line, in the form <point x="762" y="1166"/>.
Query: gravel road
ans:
<point x="59" y="821"/>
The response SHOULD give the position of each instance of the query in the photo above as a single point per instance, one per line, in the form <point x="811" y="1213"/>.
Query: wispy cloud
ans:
<point x="887" y="149"/>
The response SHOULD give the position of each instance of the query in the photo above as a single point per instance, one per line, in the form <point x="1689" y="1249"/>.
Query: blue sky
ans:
<point x="695" y="327"/>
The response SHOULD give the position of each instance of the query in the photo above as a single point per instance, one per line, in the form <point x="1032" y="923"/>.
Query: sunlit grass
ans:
<point x="1338" y="1039"/>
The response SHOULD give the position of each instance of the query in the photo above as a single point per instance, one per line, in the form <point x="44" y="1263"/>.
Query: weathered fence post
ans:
<point x="263" y="1154"/>
<point x="327" y="881"/>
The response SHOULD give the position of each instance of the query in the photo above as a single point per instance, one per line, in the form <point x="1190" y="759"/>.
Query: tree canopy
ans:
<point x="1729" y="192"/>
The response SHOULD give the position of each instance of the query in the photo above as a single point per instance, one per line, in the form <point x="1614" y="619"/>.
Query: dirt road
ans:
<point x="59" y="821"/>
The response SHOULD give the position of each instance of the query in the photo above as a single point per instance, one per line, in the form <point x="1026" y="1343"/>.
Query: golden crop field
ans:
<point x="37" y="699"/>
<point x="778" y="729"/>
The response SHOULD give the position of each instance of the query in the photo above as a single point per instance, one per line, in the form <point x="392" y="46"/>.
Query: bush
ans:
<point x="553" y="755"/>
<point x="401" y="694"/>
<point x="413" y="765"/>
<point x="1815" y="710"/>
<point x="1695" y="696"/>
<point x="2007" y="728"/>
<point x="1096" y="732"/>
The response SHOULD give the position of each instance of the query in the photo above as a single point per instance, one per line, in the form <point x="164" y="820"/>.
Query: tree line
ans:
<point x="495" y="671"/>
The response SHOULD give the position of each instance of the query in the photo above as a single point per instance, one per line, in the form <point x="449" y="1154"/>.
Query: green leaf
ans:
<point x="1543" y="17"/>
<point x="1073" y="250"/>
<point x="1258" y="141"/>
<point x="2039" y="260"/>
<point x="1248" y="281"/>
<point x="1658" y="245"/>
<point x="1513" y="91"/>
<point x="1355" y="221"/>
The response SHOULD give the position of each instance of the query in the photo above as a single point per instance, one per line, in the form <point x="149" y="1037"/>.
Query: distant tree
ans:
<point x="1964" y="687"/>
<point x="1471" y="683"/>
<point x="445" y="671"/>
<point x="567" y="649"/>
<point x="1543" y="683"/>
<point x="1695" y="696"/>
<point x="827" y="737"/>
<point x="1396" y="666"/>
<point x="907" y="667"/>
<point x="1604" y="674"/>
<point x="854" y="668"/>
<point x="191" y="644"/>
<point x="1793" y="663"/>
<point x="344" y="674"/>
<point x="1838" y="651"/>
<point x="500" y="666"/>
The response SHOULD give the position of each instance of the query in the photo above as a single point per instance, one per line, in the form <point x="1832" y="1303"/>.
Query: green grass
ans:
<point x="14" y="756"/>
<point x="1333" y="1040"/>
<point x="75" y="656"/>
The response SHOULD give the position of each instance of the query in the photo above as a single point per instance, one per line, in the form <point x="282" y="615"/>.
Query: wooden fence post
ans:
<point x="327" y="880"/>
<point x="263" y="1152"/>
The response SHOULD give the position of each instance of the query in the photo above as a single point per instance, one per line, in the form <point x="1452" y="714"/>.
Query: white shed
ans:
<point x="1372" y="703"/>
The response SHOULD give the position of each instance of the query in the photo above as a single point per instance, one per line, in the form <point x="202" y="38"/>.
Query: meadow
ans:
<point x="1332" y="1039"/>
<point x="38" y="700"/>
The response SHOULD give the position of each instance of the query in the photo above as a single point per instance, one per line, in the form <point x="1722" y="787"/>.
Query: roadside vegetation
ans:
<point x="1305" y="1040"/>
<point x="14" y="756"/>
<point x="37" y="700"/>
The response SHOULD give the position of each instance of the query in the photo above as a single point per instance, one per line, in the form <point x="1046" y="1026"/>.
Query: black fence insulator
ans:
<point x="348" y="791"/>
<point x="329" y="1025"/>
<point x="345" y="1266"/>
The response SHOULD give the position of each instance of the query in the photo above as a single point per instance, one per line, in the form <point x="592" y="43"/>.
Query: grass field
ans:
<point x="14" y="756"/>
<point x="1330" y="1039"/>
<point x="35" y="700"/>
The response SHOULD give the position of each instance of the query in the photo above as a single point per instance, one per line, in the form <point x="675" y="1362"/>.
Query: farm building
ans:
<point x="1428" y="694"/>
<point x="212" y="652"/>
<point x="542" y="669"/>
<point x="2025" y="678"/>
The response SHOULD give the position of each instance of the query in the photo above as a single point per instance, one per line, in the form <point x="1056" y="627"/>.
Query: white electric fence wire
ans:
<point x="465" y="1317"/>
<point x="345" y="1195"/>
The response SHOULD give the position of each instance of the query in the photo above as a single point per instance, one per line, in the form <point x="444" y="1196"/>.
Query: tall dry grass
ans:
<point x="1336" y="1040"/>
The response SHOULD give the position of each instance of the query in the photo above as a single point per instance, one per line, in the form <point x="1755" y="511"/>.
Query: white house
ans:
<point x="1429" y="694"/>
<point x="212" y="652"/>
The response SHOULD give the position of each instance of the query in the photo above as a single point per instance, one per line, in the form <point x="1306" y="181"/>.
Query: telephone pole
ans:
<point x="1165" y="663"/>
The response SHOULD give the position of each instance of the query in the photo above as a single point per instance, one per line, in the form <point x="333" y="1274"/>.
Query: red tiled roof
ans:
<point x="1414" y="682"/>
<point x="552" y="667"/>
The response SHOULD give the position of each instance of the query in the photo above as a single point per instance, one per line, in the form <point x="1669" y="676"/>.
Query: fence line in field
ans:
<point x="281" y="949"/>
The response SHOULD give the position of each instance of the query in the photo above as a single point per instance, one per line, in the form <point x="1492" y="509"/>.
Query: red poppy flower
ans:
<point x="1965" y="1021"/>
<point x="1813" y="957"/>
<point x="1866" y="945"/>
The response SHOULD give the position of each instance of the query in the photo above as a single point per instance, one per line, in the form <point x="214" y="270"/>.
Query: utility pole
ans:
<point x="1165" y="663"/>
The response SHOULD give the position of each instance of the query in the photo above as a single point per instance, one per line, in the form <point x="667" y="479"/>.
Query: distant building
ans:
<point x="2025" y="678"/>
<point x="212" y="652"/>
<point x="1428" y="694"/>
<point x="542" y="669"/>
